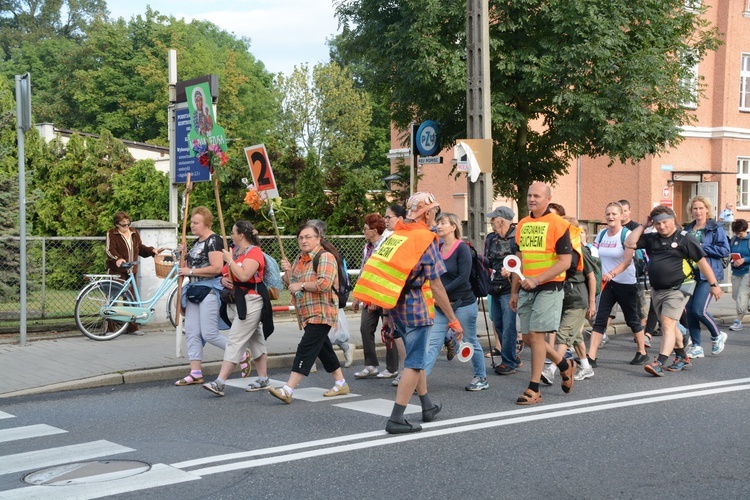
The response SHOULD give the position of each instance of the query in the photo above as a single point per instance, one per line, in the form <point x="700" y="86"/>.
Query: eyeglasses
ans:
<point x="124" y="225"/>
<point x="303" y="237"/>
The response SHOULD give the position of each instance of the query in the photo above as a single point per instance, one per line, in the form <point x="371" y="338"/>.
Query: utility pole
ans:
<point x="478" y="112"/>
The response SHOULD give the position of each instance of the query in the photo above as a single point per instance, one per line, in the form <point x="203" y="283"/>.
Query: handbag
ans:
<point x="197" y="293"/>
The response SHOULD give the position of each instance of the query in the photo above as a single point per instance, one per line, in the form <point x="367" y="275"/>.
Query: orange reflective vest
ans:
<point x="536" y="238"/>
<point x="575" y="241"/>
<point x="384" y="275"/>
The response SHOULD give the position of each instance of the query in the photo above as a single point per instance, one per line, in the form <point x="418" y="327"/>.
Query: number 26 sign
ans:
<point x="260" y="167"/>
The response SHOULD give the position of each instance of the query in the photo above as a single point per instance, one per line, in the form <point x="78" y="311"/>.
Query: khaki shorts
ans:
<point x="247" y="333"/>
<point x="540" y="311"/>
<point x="571" y="326"/>
<point x="669" y="303"/>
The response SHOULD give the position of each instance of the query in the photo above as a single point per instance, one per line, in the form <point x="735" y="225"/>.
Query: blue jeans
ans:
<point x="697" y="313"/>
<point x="467" y="316"/>
<point x="504" y="319"/>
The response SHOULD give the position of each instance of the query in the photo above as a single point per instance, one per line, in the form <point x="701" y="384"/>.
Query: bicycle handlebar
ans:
<point x="128" y="265"/>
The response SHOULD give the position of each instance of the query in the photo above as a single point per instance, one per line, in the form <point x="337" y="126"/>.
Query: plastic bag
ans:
<point x="340" y="331"/>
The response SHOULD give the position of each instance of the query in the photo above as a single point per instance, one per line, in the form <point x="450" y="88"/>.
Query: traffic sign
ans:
<point x="260" y="168"/>
<point x="666" y="192"/>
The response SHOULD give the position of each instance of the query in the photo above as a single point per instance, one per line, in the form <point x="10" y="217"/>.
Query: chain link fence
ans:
<point x="56" y="269"/>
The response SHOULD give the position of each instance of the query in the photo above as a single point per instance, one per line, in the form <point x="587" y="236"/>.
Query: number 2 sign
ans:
<point x="260" y="168"/>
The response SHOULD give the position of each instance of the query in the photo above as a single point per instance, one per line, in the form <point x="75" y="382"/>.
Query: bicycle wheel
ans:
<point x="172" y="307"/>
<point x="88" y="306"/>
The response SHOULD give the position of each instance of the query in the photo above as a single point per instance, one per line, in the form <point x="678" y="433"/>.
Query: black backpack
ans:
<point x="480" y="273"/>
<point x="345" y="286"/>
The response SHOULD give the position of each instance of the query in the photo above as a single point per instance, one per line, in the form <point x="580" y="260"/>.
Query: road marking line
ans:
<point x="381" y="407"/>
<point x="455" y="430"/>
<point x="28" y="431"/>
<point x="159" y="475"/>
<point x="6" y="415"/>
<point x="61" y="455"/>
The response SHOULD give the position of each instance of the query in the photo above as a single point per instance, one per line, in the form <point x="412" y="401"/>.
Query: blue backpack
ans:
<point x="272" y="277"/>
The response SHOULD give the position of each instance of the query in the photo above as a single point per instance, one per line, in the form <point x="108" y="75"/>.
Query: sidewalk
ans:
<point x="77" y="362"/>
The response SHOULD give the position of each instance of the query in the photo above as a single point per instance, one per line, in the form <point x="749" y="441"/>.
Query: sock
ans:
<point x="534" y="386"/>
<point x="563" y="365"/>
<point x="341" y="382"/>
<point x="680" y="352"/>
<point x="426" y="401"/>
<point x="663" y="358"/>
<point x="397" y="414"/>
<point x="261" y="379"/>
<point x="196" y="373"/>
<point x="220" y="381"/>
<point x="585" y="364"/>
<point x="288" y="390"/>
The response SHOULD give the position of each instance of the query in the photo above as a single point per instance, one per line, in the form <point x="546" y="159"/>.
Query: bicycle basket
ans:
<point x="163" y="264"/>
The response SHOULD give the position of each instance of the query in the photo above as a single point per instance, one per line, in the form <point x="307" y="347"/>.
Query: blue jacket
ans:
<point x="716" y="245"/>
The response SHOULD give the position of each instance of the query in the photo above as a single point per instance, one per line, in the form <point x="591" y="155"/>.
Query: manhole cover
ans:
<point x="87" y="472"/>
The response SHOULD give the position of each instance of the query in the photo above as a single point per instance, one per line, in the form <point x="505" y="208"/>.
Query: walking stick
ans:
<point x="487" y="328"/>
<point x="283" y="256"/>
<point x="180" y="279"/>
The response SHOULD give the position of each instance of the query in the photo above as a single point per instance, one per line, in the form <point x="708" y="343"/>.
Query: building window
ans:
<point x="743" y="182"/>
<point x="692" y="4"/>
<point x="745" y="83"/>
<point x="690" y="78"/>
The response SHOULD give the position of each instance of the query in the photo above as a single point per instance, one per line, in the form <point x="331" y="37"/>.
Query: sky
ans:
<point x="283" y="33"/>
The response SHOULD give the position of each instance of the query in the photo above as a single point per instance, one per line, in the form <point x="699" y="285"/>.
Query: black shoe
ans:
<point x="592" y="362"/>
<point x="639" y="359"/>
<point x="393" y="427"/>
<point x="429" y="415"/>
<point x="504" y="370"/>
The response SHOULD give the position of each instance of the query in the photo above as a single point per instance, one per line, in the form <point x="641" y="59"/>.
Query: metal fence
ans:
<point x="56" y="267"/>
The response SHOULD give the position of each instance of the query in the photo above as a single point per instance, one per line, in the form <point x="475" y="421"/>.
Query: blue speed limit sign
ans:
<point x="427" y="138"/>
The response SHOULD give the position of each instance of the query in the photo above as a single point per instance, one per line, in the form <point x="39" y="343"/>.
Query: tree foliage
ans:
<point x="568" y="77"/>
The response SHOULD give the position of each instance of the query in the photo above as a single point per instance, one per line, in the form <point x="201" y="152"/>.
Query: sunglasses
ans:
<point x="124" y="225"/>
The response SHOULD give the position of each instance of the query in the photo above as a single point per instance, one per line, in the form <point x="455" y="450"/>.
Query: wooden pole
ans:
<point x="221" y="220"/>
<point x="180" y="279"/>
<point x="283" y="256"/>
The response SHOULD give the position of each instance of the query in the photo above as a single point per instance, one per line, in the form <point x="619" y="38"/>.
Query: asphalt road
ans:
<point x="621" y="434"/>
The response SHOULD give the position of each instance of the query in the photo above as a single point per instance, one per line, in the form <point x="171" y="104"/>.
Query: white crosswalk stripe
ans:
<point x="64" y="454"/>
<point x="28" y="431"/>
<point x="6" y="415"/>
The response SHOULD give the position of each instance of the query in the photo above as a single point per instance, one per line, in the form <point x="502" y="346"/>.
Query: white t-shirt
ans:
<point x="611" y="253"/>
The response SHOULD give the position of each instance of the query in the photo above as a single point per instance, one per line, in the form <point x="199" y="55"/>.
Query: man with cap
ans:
<point x="545" y="250"/>
<point x="500" y="243"/>
<point x="403" y="275"/>
<point x="670" y="251"/>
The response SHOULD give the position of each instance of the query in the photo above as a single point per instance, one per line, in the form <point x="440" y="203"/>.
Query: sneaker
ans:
<point x="736" y="326"/>
<point x="696" y="352"/>
<point x="717" y="344"/>
<point x="450" y="350"/>
<point x="583" y="373"/>
<point x="569" y="354"/>
<point x="680" y="364"/>
<point x="314" y="368"/>
<point x="337" y="390"/>
<point x="548" y="374"/>
<point x="519" y="346"/>
<point x="396" y="380"/>
<point x="647" y="341"/>
<point x="348" y="356"/>
<point x="477" y="384"/>
<point x="605" y="341"/>
<point x="386" y="374"/>
<point x="639" y="359"/>
<point x="655" y="368"/>
<point x="259" y="385"/>
<point x="504" y="369"/>
<point x="369" y="371"/>
<point x="215" y="387"/>
<point x="280" y="394"/>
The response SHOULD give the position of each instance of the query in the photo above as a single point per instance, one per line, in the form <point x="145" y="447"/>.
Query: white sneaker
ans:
<point x="548" y="374"/>
<point x="583" y="373"/>
<point x="696" y="352"/>
<point x="717" y="345"/>
<point x="349" y="356"/>
<point x="736" y="326"/>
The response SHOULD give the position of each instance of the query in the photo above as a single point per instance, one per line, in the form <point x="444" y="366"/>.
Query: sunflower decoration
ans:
<point x="258" y="199"/>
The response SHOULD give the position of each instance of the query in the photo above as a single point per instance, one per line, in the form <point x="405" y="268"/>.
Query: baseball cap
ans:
<point x="504" y="212"/>
<point x="419" y="203"/>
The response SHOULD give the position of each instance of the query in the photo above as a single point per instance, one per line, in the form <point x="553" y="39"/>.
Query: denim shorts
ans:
<point x="415" y="341"/>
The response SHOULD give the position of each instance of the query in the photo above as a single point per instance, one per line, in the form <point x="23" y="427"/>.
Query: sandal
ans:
<point x="246" y="364"/>
<point x="188" y="380"/>
<point x="529" y="397"/>
<point x="567" y="376"/>
<point x="495" y="352"/>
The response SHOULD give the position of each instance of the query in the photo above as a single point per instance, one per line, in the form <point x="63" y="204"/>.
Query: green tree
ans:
<point x="568" y="77"/>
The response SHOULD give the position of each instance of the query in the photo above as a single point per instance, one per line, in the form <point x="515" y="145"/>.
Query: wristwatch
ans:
<point x="714" y="284"/>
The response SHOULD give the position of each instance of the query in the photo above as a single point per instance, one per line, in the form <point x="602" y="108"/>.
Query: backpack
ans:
<point x="480" y="273"/>
<point x="272" y="277"/>
<point x="596" y="263"/>
<point x="345" y="286"/>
